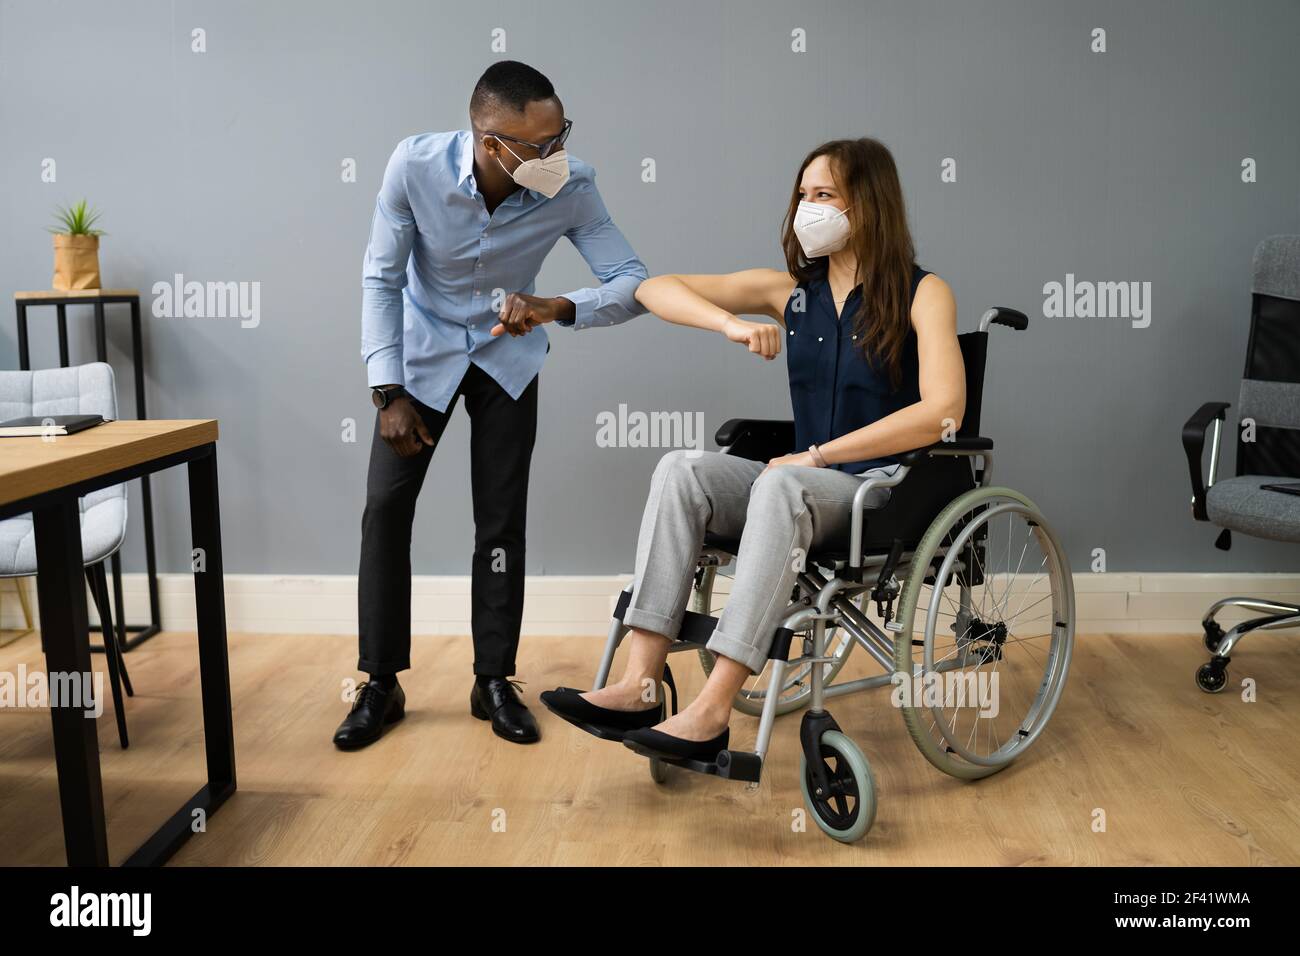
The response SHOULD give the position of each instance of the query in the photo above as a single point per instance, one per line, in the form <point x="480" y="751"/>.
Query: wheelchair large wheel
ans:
<point x="992" y="588"/>
<point x="796" y="688"/>
<point x="848" y="810"/>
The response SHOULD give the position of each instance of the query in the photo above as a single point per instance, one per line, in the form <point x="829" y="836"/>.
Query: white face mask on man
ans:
<point x="546" y="176"/>
<point x="820" y="228"/>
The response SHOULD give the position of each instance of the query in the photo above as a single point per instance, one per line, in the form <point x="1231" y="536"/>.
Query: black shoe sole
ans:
<point x="362" y="744"/>
<point x="601" y="731"/>
<point x="596" y="730"/>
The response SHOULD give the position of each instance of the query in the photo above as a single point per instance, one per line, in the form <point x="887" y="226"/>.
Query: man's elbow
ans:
<point x="649" y="287"/>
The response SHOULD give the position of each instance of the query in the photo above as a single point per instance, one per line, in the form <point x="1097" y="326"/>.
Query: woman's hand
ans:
<point x="763" y="338"/>
<point x="800" y="458"/>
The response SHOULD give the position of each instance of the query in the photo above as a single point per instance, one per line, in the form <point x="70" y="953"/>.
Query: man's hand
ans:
<point x="800" y="458"/>
<point x="521" y="313"/>
<point x="402" y="427"/>
<point x="762" y="338"/>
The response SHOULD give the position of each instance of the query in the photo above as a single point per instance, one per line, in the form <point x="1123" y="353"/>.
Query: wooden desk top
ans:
<point x="51" y="295"/>
<point x="33" y="466"/>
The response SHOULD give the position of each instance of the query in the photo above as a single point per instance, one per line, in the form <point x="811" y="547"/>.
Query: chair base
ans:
<point x="1212" y="677"/>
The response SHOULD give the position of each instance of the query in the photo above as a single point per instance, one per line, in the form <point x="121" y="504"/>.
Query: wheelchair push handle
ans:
<point x="1001" y="315"/>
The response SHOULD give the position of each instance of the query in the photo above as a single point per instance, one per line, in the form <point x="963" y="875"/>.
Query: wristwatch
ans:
<point x="381" y="396"/>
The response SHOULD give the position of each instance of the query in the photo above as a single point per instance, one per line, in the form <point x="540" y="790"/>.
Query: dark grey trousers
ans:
<point x="502" y="431"/>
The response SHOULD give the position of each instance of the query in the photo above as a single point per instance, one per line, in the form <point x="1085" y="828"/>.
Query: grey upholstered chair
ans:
<point x="81" y="390"/>
<point x="1268" y="446"/>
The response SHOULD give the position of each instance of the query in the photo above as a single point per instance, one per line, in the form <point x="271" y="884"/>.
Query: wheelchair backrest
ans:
<point x="934" y="481"/>
<point x="974" y="349"/>
<point x="1270" y="387"/>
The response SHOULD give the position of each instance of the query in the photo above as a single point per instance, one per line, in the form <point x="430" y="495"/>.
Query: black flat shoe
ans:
<point x="603" y="722"/>
<point x="495" y="699"/>
<point x="656" y="743"/>
<point x="374" y="709"/>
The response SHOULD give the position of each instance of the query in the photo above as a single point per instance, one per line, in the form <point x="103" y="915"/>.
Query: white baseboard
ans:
<point x="559" y="605"/>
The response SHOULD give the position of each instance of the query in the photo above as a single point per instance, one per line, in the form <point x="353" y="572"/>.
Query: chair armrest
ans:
<point x="969" y="445"/>
<point x="1194" y="445"/>
<point x="759" y="439"/>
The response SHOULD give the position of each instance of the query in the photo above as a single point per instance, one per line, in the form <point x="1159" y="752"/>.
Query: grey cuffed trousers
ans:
<point x="779" y="518"/>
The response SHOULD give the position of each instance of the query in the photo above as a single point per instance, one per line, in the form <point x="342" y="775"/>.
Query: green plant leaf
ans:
<point x="77" y="220"/>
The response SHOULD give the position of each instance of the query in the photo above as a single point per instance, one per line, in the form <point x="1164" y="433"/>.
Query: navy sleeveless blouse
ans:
<point x="834" y="388"/>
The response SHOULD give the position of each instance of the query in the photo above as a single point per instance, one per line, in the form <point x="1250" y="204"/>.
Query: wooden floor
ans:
<point x="1182" y="777"/>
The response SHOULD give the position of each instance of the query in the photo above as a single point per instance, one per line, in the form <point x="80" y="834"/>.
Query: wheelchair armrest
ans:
<point x="759" y="439"/>
<point x="962" y="445"/>
<point x="1194" y="446"/>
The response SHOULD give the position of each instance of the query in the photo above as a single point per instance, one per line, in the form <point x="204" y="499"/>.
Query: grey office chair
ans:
<point x="1268" y="447"/>
<point x="80" y="390"/>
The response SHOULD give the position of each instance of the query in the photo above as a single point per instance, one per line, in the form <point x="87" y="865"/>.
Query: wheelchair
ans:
<point x="970" y="586"/>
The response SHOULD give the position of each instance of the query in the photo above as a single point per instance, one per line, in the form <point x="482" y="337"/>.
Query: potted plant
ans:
<point x="76" y="248"/>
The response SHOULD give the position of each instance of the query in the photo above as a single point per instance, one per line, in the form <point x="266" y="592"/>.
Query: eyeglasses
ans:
<point x="543" y="149"/>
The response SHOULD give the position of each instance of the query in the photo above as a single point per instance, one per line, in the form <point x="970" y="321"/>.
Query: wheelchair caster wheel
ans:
<point x="1213" y="636"/>
<point x="1212" y="677"/>
<point x="658" y="770"/>
<point x="846" y="811"/>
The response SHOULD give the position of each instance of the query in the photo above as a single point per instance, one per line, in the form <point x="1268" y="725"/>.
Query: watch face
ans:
<point x="377" y="396"/>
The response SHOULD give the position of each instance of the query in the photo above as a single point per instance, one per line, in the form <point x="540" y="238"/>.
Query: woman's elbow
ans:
<point x="953" y="418"/>
<point x="947" y="417"/>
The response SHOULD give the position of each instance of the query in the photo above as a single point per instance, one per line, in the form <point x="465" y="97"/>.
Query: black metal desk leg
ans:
<point x="146" y="493"/>
<point x="210" y="609"/>
<point x="137" y="360"/>
<point x="24" y="352"/>
<point x="63" y="334"/>
<point x="62" y="597"/>
<point x="101" y="338"/>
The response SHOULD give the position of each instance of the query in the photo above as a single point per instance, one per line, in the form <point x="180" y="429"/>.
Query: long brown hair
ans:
<point x="867" y="178"/>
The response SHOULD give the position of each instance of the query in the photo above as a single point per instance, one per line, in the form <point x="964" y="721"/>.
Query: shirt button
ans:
<point x="819" y="338"/>
<point x="792" y="331"/>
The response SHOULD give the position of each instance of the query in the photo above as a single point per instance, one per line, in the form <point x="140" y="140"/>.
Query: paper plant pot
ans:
<point x="76" y="262"/>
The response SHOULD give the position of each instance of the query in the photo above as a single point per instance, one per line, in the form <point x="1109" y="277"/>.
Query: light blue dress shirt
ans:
<point x="437" y="268"/>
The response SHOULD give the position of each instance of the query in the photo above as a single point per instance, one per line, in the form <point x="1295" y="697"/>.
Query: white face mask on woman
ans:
<point x="820" y="228"/>
<point x="546" y="176"/>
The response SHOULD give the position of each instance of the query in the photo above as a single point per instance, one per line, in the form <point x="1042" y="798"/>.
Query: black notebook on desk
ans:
<point x="38" y="425"/>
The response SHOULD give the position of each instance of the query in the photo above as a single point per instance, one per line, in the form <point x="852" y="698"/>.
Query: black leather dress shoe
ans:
<point x="373" y="709"/>
<point x="656" y="743"/>
<point x="495" y="699"/>
<point x="603" y="722"/>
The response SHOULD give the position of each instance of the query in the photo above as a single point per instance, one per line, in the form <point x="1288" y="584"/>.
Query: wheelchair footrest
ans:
<point x="731" y="764"/>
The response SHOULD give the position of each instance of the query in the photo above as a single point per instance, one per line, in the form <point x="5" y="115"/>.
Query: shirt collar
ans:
<point x="466" y="157"/>
<point x="466" y="171"/>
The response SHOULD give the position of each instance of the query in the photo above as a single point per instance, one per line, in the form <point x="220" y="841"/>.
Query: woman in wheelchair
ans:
<point x="875" y="370"/>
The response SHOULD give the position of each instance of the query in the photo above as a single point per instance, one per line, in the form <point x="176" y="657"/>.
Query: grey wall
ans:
<point x="226" y="166"/>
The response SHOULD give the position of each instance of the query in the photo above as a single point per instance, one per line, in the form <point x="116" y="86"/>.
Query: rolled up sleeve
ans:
<point x="611" y="259"/>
